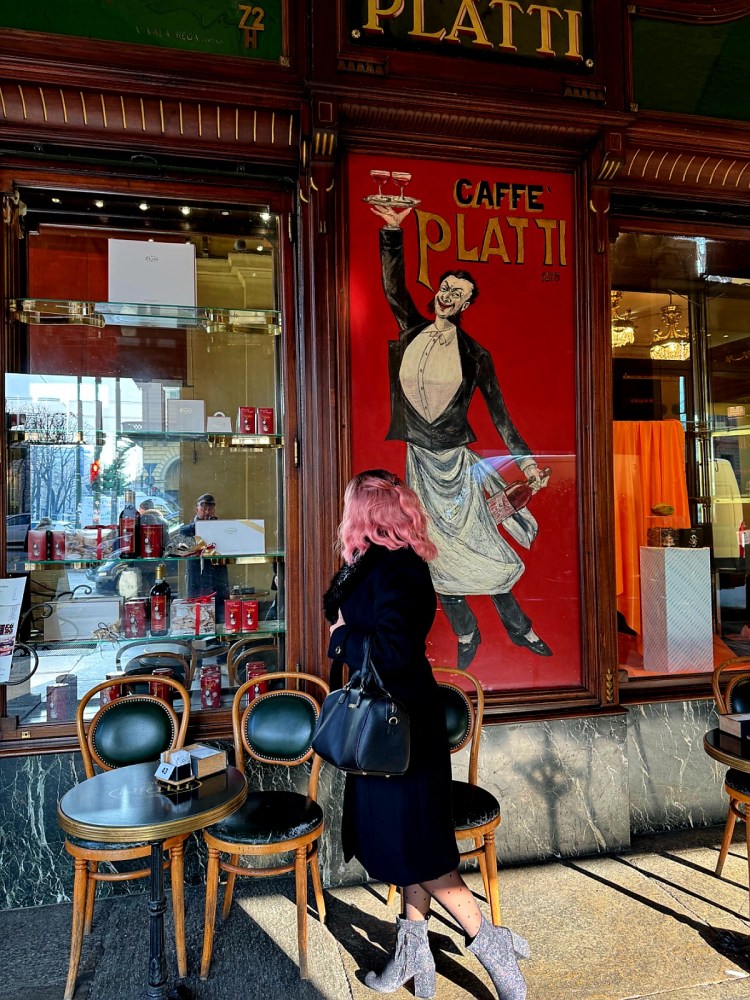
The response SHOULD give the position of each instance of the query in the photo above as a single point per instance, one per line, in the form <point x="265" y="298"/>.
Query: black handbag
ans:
<point x="361" y="728"/>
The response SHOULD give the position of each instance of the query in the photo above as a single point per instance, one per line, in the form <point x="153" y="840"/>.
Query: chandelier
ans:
<point x="623" y="330"/>
<point x="670" y="343"/>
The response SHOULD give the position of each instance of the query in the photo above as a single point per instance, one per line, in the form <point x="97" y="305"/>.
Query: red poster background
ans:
<point x="525" y="317"/>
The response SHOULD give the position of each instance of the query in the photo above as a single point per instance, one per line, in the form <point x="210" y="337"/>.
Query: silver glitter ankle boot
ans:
<point x="411" y="959"/>
<point x="496" y="950"/>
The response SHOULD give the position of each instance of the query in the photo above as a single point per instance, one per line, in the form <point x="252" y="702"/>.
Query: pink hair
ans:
<point x="380" y="508"/>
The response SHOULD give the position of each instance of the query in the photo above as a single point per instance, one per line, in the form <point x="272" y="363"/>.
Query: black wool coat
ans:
<point x="399" y="828"/>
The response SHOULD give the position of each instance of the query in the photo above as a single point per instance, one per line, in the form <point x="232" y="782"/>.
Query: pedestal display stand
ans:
<point x="676" y="609"/>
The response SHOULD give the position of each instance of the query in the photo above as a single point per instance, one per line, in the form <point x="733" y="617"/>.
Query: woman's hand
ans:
<point x="337" y="624"/>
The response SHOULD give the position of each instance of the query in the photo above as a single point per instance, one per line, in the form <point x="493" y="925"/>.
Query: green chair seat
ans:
<point x="473" y="806"/>
<point x="270" y="818"/>
<point x="97" y="845"/>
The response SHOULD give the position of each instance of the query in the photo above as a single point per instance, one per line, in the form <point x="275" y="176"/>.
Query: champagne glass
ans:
<point x="401" y="178"/>
<point x="380" y="177"/>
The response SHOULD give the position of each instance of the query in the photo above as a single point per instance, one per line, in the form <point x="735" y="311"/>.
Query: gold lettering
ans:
<point x="508" y="6"/>
<point x="562" y="249"/>
<point x="574" y="34"/>
<point x="547" y="225"/>
<point x="463" y="253"/>
<point x="442" y="243"/>
<point x="545" y="26"/>
<point x="418" y="30"/>
<point x="476" y="28"/>
<point x="375" y="13"/>
<point x="519" y="225"/>
<point x="493" y="229"/>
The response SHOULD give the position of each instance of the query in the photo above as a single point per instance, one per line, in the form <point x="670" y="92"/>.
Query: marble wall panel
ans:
<point x="674" y="784"/>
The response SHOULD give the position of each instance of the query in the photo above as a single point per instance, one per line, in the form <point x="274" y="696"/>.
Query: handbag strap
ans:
<point x="370" y="676"/>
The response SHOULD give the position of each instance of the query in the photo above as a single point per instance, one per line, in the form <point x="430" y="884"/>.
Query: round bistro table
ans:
<point x="727" y="749"/>
<point x="128" y="806"/>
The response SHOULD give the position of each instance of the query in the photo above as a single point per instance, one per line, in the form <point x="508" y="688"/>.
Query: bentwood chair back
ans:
<point x="731" y="688"/>
<point x="476" y="812"/>
<point x="143" y="655"/>
<point x="244" y="650"/>
<point x="131" y="729"/>
<point x="272" y="728"/>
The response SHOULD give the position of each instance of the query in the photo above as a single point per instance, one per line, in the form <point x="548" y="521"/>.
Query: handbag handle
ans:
<point x="367" y="675"/>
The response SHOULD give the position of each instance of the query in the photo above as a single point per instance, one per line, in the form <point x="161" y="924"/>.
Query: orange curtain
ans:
<point x="649" y="468"/>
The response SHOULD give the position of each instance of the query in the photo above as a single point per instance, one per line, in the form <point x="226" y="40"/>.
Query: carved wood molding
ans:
<point x="686" y="171"/>
<point x="692" y="11"/>
<point x="51" y="114"/>
<point x="411" y="121"/>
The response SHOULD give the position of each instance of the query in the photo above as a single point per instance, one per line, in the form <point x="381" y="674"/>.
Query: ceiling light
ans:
<point x="621" y="328"/>
<point x="185" y="209"/>
<point x="259" y="248"/>
<point x="99" y="203"/>
<point x="672" y="343"/>
<point x="225" y="212"/>
<point x="265" y="216"/>
<point x="144" y="206"/>
<point x="56" y="201"/>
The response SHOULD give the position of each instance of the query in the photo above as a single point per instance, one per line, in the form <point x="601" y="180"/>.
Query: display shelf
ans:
<point x="21" y="439"/>
<point x="249" y="559"/>
<point x="266" y="630"/>
<point x="210" y="319"/>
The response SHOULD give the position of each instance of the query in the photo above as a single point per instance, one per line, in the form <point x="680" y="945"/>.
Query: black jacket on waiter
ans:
<point x="451" y="429"/>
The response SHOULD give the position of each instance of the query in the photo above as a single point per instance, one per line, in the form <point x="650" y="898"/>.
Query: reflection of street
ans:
<point x="89" y="665"/>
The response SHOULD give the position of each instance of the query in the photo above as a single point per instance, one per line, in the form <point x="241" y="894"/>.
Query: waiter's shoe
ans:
<point x="467" y="650"/>
<point x="535" y="644"/>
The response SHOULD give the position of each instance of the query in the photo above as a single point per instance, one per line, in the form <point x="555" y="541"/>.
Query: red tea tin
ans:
<point x="158" y="689"/>
<point x="37" y="544"/>
<point x="233" y="615"/>
<point x="108" y="694"/>
<point x="210" y="687"/>
<point x="246" y="419"/>
<point x="135" y="618"/>
<point x="249" y="616"/>
<point x="151" y="544"/>
<point x="57" y="544"/>
<point x="61" y="703"/>
<point x="254" y="669"/>
<point x="264" y="421"/>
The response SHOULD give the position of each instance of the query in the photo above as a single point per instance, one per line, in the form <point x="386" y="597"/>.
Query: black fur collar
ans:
<point x="344" y="582"/>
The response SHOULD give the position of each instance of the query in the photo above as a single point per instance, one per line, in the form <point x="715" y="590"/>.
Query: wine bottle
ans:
<point x="128" y="527"/>
<point x="513" y="497"/>
<point x="160" y="597"/>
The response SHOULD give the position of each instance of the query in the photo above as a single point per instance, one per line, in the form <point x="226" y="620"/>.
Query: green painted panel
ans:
<point x="693" y="69"/>
<point x="218" y="27"/>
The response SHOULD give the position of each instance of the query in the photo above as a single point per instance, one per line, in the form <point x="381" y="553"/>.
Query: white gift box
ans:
<point x="187" y="416"/>
<point x="153" y="273"/>
<point x="235" y="537"/>
<point x="82" y="618"/>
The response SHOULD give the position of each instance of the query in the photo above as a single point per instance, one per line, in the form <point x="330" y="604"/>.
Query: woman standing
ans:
<point x="401" y="828"/>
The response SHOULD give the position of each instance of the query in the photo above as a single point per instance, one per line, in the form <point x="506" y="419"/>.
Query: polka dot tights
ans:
<point x="453" y="895"/>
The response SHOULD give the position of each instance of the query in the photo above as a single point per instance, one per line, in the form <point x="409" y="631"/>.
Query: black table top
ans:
<point x="728" y="749"/>
<point x="127" y="806"/>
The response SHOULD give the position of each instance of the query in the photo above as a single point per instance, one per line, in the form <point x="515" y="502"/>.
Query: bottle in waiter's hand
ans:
<point x="128" y="527"/>
<point x="160" y="597"/>
<point x="513" y="497"/>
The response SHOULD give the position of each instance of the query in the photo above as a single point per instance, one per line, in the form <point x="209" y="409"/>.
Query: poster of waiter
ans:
<point x="463" y="381"/>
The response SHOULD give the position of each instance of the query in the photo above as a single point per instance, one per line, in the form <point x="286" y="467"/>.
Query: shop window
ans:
<point x="680" y="331"/>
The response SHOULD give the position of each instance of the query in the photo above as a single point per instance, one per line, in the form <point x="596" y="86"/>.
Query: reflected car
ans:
<point x="16" y="528"/>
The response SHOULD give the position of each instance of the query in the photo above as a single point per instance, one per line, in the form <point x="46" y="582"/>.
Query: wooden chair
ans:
<point x="132" y="729"/>
<point x="149" y="649"/>
<point x="476" y="812"/>
<point x="243" y="649"/>
<point x="731" y="688"/>
<point x="274" y="728"/>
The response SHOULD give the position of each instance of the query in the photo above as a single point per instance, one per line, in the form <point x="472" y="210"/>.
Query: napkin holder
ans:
<point x="175" y="769"/>
<point x="206" y="760"/>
